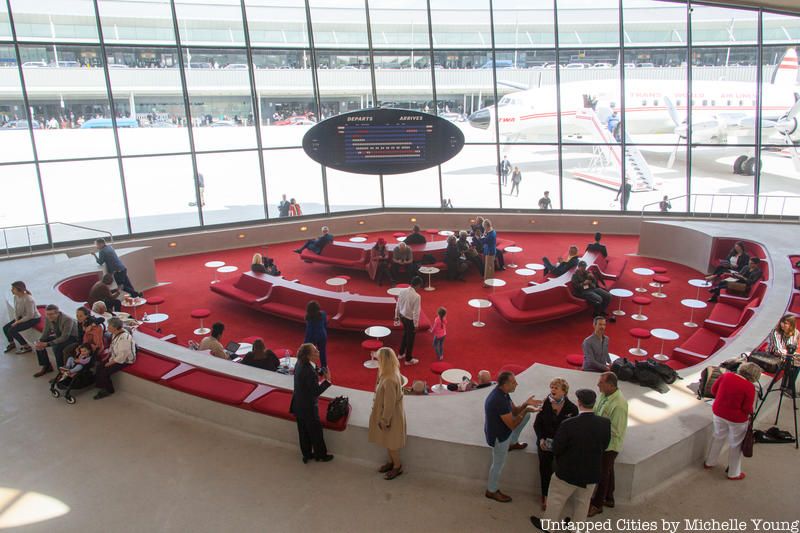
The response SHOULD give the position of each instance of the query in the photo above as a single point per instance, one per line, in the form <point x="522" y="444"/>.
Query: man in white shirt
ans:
<point x="121" y="353"/>
<point x="407" y="312"/>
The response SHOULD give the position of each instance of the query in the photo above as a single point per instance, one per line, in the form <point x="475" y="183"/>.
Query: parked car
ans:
<point x="200" y="65"/>
<point x="602" y="65"/>
<point x="235" y="66"/>
<point x="65" y="64"/>
<point x="122" y="122"/>
<point x="301" y="120"/>
<point x="117" y="65"/>
<point x="21" y="125"/>
<point x="34" y="64"/>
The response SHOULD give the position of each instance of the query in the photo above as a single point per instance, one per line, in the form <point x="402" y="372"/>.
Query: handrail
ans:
<point x="692" y="201"/>
<point x="46" y="225"/>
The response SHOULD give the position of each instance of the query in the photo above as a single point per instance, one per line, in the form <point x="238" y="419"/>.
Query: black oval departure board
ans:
<point x="383" y="141"/>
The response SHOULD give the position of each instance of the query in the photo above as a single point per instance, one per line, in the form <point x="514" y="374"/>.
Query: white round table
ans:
<point x="429" y="270"/>
<point x="395" y="291"/>
<point x="642" y="272"/>
<point x="535" y="266"/>
<point x="512" y="250"/>
<point x="155" y="318"/>
<point x="621" y="294"/>
<point x="494" y="283"/>
<point x="479" y="304"/>
<point x="358" y="239"/>
<point x="455" y="375"/>
<point x="525" y="272"/>
<point x="446" y="233"/>
<point x="376" y="332"/>
<point x="134" y="303"/>
<point x="215" y="265"/>
<point x="664" y="335"/>
<point x="692" y="304"/>
<point x="336" y="282"/>
<point x="227" y="269"/>
<point x="700" y="284"/>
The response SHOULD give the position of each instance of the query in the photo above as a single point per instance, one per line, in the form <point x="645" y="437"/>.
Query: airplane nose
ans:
<point x="480" y="119"/>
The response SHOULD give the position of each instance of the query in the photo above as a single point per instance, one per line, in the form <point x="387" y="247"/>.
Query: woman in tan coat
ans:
<point x="387" y="423"/>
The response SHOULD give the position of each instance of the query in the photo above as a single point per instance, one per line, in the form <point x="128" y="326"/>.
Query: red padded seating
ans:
<point x="797" y="281"/>
<point x="398" y="234"/>
<point x="214" y="387"/>
<point x="200" y="313"/>
<point x="77" y="287"/>
<point x="276" y="403"/>
<point x="291" y="304"/>
<point x="361" y="314"/>
<point x="658" y="269"/>
<point x="247" y="289"/>
<point x="511" y="367"/>
<point x="639" y="334"/>
<point x="575" y="359"/>
<point x="40" y="325"/>
<point x="372" y="345"/>
<point x="660" y="281"/>
<point x="794" y="304"/>
<point x="343" y="256"/>
<point x="641" y="301"/>
<point x="520" y="306"/>
<point x="698" y="347"/>
<point x="756" y="291"/>
<point x="724" y="318"/>
<point x="155" y="300"/>
<point x="149" y="366"/>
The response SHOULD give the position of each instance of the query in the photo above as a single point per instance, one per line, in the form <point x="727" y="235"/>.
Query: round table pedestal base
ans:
<point x="214" y="281"/>
<point x="478" y="324"/>
<point x="618" y="312"/>
<point x="371" y="364"/>
<point x="661" y="357"/>
<point x="658" y="295"/>
<point x="512" y="265"/>
<point x="690" y="324"/>
<point x="430" y="288"/>
<point x="439" y="388"/>
<point x="654" y="284"/>
<point x="638" y="352"/>
<point x="640" y="289"/>
<point x="202" y="331"/>
<point x="639" y="317"/>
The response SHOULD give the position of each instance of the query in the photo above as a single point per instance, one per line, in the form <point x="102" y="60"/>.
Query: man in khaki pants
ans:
<point x="489" y="242"/>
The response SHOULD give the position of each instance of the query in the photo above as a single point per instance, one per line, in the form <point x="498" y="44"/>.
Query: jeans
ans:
<point x="13" y="332"/>
<point x="500" y="454"/>
<point x="409" y="333"/>
<point x="121" y="277"/>
<point x="438" y="347"/>
<point x="598" y="298"/>
<point x="733" y="432"/>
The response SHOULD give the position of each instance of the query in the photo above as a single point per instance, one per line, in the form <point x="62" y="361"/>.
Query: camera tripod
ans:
<point x="787" y="388"/>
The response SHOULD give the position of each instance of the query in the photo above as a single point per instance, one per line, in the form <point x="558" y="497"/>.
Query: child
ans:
<point x="74" y="364"/>
<point x="439" y="331"/>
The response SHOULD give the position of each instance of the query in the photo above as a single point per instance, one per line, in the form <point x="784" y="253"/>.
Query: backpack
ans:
<point x="708" y="376"/>
<point x="338" y="408"/>
<point x="667" y="373"/>
<point x="647" y="376"/>
<point x="623" y="369"/>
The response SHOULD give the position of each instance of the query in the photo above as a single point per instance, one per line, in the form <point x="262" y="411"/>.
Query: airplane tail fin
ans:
<point x="786" y="71"/>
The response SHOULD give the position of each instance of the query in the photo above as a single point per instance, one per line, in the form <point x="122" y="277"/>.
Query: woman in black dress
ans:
<point x="261" y="357"/>
<point x="555" y="409"/>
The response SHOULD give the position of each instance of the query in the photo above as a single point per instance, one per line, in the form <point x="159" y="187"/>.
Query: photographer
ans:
<point x="783" y="342"/>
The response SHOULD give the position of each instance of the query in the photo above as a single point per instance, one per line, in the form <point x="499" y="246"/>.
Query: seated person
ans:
<point x="749" y="275"/>
<point x="378" y="266"/>
<point x="75" y="363"/>
<point x="99" y="308"/>
<point x="261" y="357"/>
<point x="596" y="246"/>
<point x="101" y="291"/>
<point x="469" y="251"/>
<point x="213" y="342"/>
<point x="563" y="265"/>
<point x="316" y="245"/>
<point x="783" y="341"/>
<point x="733" y="262"/>
<point x="456" y="263"/>
<point x="271" y="267"/>
<point x="403" y="258"/>
<point x="476" y="229"/>
<point x="257" y="264"/>
<point x="484" y="380"/>
<point x="584" y="286"/>
<point x="415" y="237"/>
<point x="595" y="348"/>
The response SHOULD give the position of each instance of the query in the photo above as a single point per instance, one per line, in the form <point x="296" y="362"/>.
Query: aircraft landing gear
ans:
<point x="745" y="166"/>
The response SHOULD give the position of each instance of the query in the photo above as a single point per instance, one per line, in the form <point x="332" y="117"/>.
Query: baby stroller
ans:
<point x="82" y="380"/>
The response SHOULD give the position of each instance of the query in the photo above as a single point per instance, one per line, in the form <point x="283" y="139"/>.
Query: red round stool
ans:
<point x="155" y="300"/>
<point x="201" y="314"/>
<point x="437" y="368"/>
<point x="575" y="359"/>
<point x="511" y="367"/>
<point x="398" y="234"/>
<point x="639" y="334"/>
<point x="371" y="346"/>
<point x="641" y="301"/>
<point x="364" y="235"/>
<point x="660" y="280"/>
<point x="432" y="233"/>
<point x="402" y="286"/>
<point x="656" y="270"/>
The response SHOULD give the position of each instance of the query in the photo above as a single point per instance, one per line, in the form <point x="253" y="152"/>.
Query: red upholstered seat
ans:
<point x="511" y="367"/>
<point x="641" y="300"/>
<point x="698" y="347"/>
<point x="797" y="281"/>
<point x="77" y="287"/>
<point x="149" y="366"/>
<point x="252" y="339"/>
<point x="794" y="259"/>
<point x="155" y="300"/>
<point x="640" y="333"/>
<point x="200" y="313"/>
<point x="432" y="231"/>
<point x="440" y="366"/>
<point x="530" y="306"/>
<point x="662" y="279"/>
<point x="756" y="291"/>
<point x="40" y="325"/>
<point x="360" y="314"/>
<point x="363" y="235"/>
<point x="372" y="344"/>
<point x="276" y="403"/>
<point x="725" y="318"/>
<point x="289" y="303"/>
<point x="794" y="305"/>
<point x="575" y="359"/>
<point x="212" y="386"/>
<point x="343" y="256"/>
<point x="402" y="285"/>
<point x="398" y="234"/>
<point x="248" y="288"/>
<point x="658" y="269"/>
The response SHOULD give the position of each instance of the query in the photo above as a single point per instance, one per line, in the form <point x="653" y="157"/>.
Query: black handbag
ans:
<point x="769" y="363"/>
<point x="338" y="408"/>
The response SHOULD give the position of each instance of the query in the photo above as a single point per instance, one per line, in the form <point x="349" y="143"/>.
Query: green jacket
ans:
<point x="615" y="408"/>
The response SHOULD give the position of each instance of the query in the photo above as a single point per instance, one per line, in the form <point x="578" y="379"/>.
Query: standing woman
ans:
<point x="516" y="177"/>
<point x="387" y="422"/>
<point x="555" y="410"/>
<point x="25" y="317"/>
<point x="294" y="209"/>
<point x="734" y="395"/>
<point x="489" y="242"/>
<point x="317" y="330"/>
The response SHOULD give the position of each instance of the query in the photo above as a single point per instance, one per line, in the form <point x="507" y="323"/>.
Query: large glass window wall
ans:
<point x="211" y="101"/>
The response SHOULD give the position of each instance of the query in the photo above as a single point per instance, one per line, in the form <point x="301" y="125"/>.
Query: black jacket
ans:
<point x="547" y="422"/>
<point x="578" y="448"/>
<point x="750" y="277"/>
<point x="307" y="388"/>
<point x="597" y="247"/>
<point x="415" y="238"/>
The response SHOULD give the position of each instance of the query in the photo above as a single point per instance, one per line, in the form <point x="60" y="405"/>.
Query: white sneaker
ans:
<point x="412" y="362"/>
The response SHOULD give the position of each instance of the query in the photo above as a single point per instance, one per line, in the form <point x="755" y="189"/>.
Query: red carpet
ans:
<point x="466" y="347"/>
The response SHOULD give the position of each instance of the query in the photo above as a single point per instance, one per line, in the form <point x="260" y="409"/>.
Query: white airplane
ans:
<point x="720" y="110"/>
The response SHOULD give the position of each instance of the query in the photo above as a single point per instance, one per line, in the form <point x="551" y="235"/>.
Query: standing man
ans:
<point x="407" y="312"/>
<point x="106" y="255"/>
<point x="316" y="245"/>
<point x="305" y="403"/>
<point x="60" y="331"/>
<point x="624" y="191"/>
<point x="505" y="168"/>
<point x="613" y="406"/>
<point x="595" y="348"/>
<point x="664" y="205"/>
<point x="503" y="424"/>
<point x="283" y="207"/>
<point x="516" y="177"/>
<point x="578" y="449"/>
<point x="201" y="187"/>
<point x="544" y="202"/>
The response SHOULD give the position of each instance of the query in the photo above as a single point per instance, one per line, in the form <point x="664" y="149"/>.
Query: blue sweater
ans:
<point x="489" y="242"/>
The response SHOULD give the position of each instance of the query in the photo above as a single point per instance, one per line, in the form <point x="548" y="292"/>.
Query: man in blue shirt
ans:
<point x="503" y="424"/>
<point x="107" y="256"/>
<point x="316" y="245"/>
